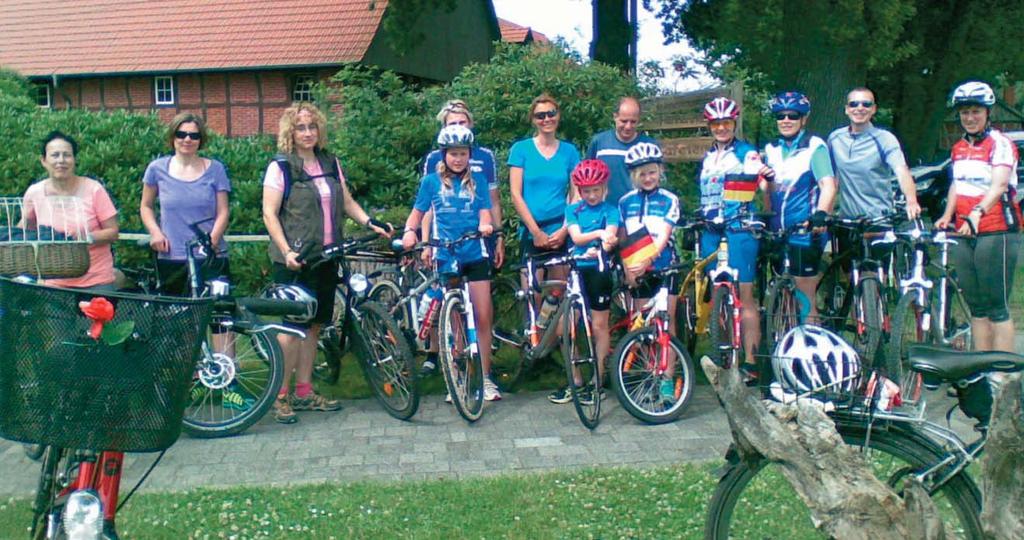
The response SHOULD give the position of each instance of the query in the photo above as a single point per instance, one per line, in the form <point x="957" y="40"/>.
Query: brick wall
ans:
<point x="233" y="104"/>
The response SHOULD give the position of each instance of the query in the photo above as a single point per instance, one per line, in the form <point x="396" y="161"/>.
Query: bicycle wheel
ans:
<point x="387" y="362"/>
<point x="507" y="359"/>
<point x="638" y="378"/>
<point x="331" y="344"/>
<point x="751" y="497"/>
<point x="686" y="316"/>
<point x="832" y="296"/>
<point x="782" y="309"/>
<point x="237" y="380"/>
<point x="46" y="491"/>
<point x="723" y="331"/>
<point x="581" y="371"/>
<point x="955" y="330"/>
<point x="864" y="323"/>
<point x="907" y="329"/>
<point x="463" y="372"/>
<point x="387" y="293"/>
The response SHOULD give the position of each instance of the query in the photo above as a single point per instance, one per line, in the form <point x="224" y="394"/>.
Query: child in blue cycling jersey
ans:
<point x="593" y="226"/>
<point x="461" y="204"/>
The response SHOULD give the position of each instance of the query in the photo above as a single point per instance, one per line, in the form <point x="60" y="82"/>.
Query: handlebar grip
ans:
<point x="271" y="306"/>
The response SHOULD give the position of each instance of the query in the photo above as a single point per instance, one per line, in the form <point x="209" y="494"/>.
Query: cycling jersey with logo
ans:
<point x="736" y="164"/>
<point x="481" y="161"/>
<point x="652" y="209"/>
<point x="456" y="212"/>
<point x="972" y="177"/>
<point x="590" y="218"/>
<point x="798" y="166"/>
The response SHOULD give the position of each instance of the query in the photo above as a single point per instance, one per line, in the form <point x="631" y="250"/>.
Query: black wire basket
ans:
<point x="125" y="390"/>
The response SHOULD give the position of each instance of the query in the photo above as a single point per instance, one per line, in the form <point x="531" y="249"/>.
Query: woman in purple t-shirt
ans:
<point x="191" y="189"/>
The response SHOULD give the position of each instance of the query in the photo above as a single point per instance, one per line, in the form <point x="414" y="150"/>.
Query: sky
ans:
<point x="571" y="20"/>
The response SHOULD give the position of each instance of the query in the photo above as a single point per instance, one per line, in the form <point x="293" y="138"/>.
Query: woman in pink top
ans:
<point x="98" y="215"/>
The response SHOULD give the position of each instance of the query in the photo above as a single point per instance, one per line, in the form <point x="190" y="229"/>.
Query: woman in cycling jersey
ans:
<point x="648" y="214"/>
<point x="982" y="202"/>
<point x="461" y="203"/>
<point x="802" y="189"/>
<point x="97" y="214"/>
<point x="191" y="189"/>
<point x="305" y="201"/>
<point x="728" y="181"/>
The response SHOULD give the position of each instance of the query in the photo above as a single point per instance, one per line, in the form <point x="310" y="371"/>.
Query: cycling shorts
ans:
<point x="478" y="270"/>
<point x="527" y="249"/>
<point x="804" y="260"/>
<point x="648" y="287"/>
<point x="984" y="267"/>
<point x="597" y="287"/>
<point x="320" y="281"/>
<point x="742" y="251"/>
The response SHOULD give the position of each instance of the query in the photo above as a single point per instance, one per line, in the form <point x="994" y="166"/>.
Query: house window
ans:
<point x="302" y="90"/>
<point x="164" y="87"/>
<point x="43" y="95"/>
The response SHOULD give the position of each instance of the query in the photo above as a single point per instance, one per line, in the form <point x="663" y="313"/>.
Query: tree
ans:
<point x="613" y="33"/>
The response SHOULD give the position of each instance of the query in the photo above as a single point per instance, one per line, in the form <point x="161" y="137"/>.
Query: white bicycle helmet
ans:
<point x="642" y="154"/>
<point x="810" y="358"/>
<point x="972" y="93"/>
<point x="455" y="136"/>
<point x="295" y="293"/>
<point x="721" y="108"/>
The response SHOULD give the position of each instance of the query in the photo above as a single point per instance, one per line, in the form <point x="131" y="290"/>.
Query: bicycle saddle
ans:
<point x="952" y="365"/>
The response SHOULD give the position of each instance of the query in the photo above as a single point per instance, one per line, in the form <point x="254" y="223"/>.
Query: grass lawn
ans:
<point x="663" y="502"/>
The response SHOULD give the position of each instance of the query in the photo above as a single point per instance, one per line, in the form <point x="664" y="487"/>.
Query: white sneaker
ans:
<point x="491" y="392"/>
<point x="447" y="397"/>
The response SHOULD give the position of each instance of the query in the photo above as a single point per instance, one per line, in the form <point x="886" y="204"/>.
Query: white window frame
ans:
<point x="49" y="95"/>
<point x="167" y="82"/>
<point x="306" y="93"/>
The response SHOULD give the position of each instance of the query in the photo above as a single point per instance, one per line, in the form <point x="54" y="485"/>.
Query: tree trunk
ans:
<point x="1002" y="465"/>
<point x="833" y="479"/>
<point x="612" y="34"/>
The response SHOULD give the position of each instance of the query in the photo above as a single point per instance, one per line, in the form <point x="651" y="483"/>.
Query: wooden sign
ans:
<point x="678" y="123"/>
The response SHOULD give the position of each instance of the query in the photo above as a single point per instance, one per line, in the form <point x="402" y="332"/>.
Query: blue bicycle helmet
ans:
<point x="790" y="101"/>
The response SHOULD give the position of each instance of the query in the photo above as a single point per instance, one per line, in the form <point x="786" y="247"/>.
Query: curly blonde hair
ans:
<point x="286" y="127"/>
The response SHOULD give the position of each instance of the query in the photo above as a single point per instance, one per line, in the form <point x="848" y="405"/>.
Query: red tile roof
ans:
<point x="70" y="37"/>
<point x="515" y="33"/>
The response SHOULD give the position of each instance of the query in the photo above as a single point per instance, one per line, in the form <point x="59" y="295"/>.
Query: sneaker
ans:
<point x="315" y="402"/>
<point x="231" y="399"/>
<point x="668" y="390"/>
<point x="428" y="368"/>
<point x="586" y="395"/>
<point x="447" y="397"/>
<point x="562" y="395"/>
<point x="283" y="412"/>
<point x="491" y="392"/>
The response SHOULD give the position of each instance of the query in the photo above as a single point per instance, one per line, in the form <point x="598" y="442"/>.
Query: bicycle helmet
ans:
<point x="295" y="293"/>
<point x="972" y="93"/>
<point x="810" y="358"/>
<point x="590" y="172"/>
<point x="790" y="101"/>
<point x="455" y="136"/>
<point x="721" y="108"/>
<point x="643" y="153"/>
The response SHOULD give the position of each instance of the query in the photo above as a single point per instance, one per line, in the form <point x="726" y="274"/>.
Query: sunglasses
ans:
<point x="546" y="114"/>
<point x="865" y="104"/>
<point x="788" y="116"/>
<point x="194" y="135"/>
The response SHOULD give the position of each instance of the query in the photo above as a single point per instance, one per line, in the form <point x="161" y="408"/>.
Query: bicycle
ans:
<point x="901" y="443"/>
<point x="784" y="305"/>
<point x="693" y="307"/>
<point x="918" y="318"/>
<point x="649" y="356"/>
<point x="384" y="356"/>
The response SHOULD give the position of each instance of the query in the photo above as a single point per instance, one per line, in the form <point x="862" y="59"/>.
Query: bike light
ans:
<point x="83" y="516"/>
<point x="358" y="283"/>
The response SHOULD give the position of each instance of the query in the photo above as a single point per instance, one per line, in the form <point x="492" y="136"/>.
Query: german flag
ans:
<point x="638" y="246"/>
<point x="740" y="187"/>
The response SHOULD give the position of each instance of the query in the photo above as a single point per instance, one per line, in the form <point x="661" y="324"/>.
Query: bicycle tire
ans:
<point x="579" y="355"/>
<point x="956" y="329"/>
<point x="870" y="309"/>
<point x="258" y="375"/>
<point x="832" y="295"/>
<point x="42" y="506"/>
<point x="508" y="363"/>
<point x="958" y="500"/>
<point x="332" y="343"/>
<point x="637" y="387"/>
<point x="782" y="309"/>
<point x="907" y="322"/>
<point x="723" y="334"/>
<point x="388" y="364"/>
<point x="387" y="293"/>
<point x="463" y="370"/>
<point x="686" y="316"/>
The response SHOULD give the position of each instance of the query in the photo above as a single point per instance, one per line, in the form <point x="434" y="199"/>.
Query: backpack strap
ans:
<point x="286" y="173"/>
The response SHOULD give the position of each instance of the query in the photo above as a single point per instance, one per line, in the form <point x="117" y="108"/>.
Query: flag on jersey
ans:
<point x="740" y="187"/>
<point x="639" y="245"/>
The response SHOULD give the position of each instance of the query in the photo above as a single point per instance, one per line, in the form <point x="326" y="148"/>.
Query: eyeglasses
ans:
<point x="866" y="104"/>
<point x="194" y="135"/>
<point x="788" y="116"/>
<point x="546" y="114"/>
<point x="306" y="127"/>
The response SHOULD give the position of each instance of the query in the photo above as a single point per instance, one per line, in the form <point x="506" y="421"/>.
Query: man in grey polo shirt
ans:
<point x="610" y="147"/>
<point x="864" y="158"/>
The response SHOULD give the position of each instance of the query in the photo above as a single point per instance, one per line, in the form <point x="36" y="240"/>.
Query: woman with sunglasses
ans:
<point x="191" y="189"/>
<point x="801" y="188"/>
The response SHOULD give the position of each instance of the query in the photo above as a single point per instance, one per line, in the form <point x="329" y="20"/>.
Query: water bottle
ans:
<point x="547" y="308"/>
<point x="432" y="301"/>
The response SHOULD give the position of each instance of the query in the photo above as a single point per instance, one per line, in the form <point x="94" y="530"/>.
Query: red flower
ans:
<point x="101" y="311"/>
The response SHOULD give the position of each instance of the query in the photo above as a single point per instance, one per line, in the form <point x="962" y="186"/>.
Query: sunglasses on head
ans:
<point x="788" y="116"/>
<point x="546" y="114"/>
<point x="866" y="104"/>
<point x="194" y="135"/>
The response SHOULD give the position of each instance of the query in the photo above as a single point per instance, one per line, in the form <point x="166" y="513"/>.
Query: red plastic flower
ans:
<point x="101" y="311"/>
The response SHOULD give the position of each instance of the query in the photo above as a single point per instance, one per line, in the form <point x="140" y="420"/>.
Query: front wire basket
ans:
<point x="48" y="241"/>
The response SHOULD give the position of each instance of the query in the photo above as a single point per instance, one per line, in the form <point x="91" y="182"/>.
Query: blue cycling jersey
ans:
<point x="590" y="218"/>
<point x="799" y="166"/>
<point x="719" y="166"/>
<point x="652" y="209"/>
<point x="481" y="161"/>
<point x="545" y="180"/>
<point x="456" y="212"/>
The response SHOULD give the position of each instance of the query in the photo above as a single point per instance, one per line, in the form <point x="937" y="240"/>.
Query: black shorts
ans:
<point x="527" y="249"/>
<point x="321" y="281"/>
<point x="648" y="287"/>
<point x="480" y="270"/>
<point x="174" y="274"/>
<point x="597" y="287"/>
<point x="804" y="261"/>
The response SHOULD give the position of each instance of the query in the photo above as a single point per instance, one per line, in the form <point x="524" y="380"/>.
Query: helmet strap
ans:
<point x="979" y="136"/>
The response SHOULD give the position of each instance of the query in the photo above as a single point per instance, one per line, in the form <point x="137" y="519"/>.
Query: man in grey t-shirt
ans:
<point x="864" y="158"/>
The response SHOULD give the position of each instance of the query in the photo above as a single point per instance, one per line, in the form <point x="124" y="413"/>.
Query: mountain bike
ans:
<point x="784" y="305"/>
<point x="650" y="357"/>
<point x="901" y="444"/>
<point x="693" y="305"/>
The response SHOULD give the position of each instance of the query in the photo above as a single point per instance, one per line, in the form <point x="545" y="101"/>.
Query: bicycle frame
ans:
<point x="543" y="343"/>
